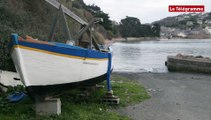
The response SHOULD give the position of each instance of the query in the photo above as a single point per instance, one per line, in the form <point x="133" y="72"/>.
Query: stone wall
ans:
<point x="189" y="64"/>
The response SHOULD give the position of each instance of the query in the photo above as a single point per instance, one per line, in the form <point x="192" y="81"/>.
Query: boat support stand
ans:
<point x="47" y="105"/>
<point x="110" y="98"/>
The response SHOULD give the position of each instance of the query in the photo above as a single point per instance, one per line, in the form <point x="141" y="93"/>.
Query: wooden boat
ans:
<point x="51" y="66"/>
<point x="46" y="66"/>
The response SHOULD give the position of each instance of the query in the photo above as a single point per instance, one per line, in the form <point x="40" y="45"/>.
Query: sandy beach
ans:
<point x="174" y="96"/>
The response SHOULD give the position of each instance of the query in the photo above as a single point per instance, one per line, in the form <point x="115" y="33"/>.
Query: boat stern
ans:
<point x="13" y="41"/>
<point x="16" y="56"/>
<point x="14" y="37"/>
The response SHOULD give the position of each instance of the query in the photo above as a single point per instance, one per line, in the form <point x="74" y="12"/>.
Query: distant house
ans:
<point x="180" y="18"/>
<point x="181" y="34"/>
<point x="208" y="22"/>
<point x="186" y="17"/>
<point x="189" y="23"/>
<point x="208" y="30"/>
<point x="195" y="32"/>
<point x="193" y="14"/>
<point x="200" y="22"/>
<point x="206" y="14"/>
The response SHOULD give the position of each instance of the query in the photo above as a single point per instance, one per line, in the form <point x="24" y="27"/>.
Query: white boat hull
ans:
<point x="41" y="69"/>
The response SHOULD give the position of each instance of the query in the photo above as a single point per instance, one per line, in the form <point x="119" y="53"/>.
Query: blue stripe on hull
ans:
<point x="62" y="49"/>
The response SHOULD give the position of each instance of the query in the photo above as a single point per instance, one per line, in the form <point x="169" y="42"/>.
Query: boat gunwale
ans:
<point x="88" y="53"/>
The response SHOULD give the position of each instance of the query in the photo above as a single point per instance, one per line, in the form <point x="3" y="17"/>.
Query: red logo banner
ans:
<point x="186" y="8"/>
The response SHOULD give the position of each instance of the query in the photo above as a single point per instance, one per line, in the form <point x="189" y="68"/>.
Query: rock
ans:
<point x="179" y="55"/>
<point x="177" y="104"/>
<point x="199" y="56"/>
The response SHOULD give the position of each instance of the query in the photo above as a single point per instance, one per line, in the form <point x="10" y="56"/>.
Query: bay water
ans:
<point x="150" y="56"/>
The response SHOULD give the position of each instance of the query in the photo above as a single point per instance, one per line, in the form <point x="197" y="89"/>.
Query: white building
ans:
<point x="208" y="22"/>
<point x="181" y="34"/>
<point x="208" y="30"/>
<point x="189" y="23"/>
<point x="200" y="22"/>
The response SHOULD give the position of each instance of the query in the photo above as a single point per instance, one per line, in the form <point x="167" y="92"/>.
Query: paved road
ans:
<point x="175" y="96"/>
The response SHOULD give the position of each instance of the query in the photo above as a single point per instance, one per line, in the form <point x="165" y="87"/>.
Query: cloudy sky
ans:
<point x="146" y="10"/>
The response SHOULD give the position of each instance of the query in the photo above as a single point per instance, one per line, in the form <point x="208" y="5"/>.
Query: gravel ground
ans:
<point x="175" y="96"/>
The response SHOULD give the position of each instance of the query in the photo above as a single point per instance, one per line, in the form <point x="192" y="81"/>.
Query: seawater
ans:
<point x="150" y="56"/>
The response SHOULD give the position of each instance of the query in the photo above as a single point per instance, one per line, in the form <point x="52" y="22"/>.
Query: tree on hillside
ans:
<point x="77" y="3"/>
<point x="146" y="30"/>
<point x="130" y="27"/>
<point x="106" y="23"/>
<point x="93" y="8"/>
<point x="209" y="16"/>
<point x="97" y="12"/>
<point x="156" y="30"/>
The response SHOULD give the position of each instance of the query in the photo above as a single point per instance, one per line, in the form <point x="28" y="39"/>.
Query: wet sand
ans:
<point x="174" y="96"/>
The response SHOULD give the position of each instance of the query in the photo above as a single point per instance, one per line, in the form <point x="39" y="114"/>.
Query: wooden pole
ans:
<point x="65" y="25"/>
<point x="53" y="28"/>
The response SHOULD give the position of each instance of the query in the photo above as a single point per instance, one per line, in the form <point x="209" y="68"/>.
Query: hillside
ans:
<point x="191" y="25"/>
<point x="34" y="18"/>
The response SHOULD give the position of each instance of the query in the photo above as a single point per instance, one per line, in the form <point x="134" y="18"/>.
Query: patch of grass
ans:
<point x="129" y="91"/>
<point x="80" y="105"/>
<point x="120" y="78"/>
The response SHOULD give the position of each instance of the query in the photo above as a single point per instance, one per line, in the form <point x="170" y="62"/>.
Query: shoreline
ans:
<point x="114" y="40"/>
<point x="133" y="39"/>
<point x="137" y="39"/>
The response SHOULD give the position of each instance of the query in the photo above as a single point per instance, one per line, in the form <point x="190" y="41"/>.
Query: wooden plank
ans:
<point x="82" y="31"/>
<point x="67" y="11"/>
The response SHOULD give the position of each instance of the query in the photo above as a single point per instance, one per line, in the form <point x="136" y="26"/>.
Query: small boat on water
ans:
<point x="46" y="66"/>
